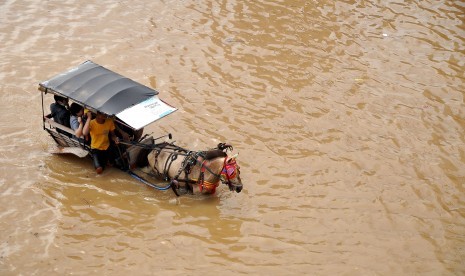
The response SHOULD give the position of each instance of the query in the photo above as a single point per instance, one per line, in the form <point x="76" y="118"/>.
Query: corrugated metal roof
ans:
<point x="99" y="88"/>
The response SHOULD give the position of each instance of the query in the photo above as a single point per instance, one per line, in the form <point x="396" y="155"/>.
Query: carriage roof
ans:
<point x="103" y="90"/>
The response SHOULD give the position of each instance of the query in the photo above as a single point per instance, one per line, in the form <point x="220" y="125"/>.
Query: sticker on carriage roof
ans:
<point x="146" y="112"/>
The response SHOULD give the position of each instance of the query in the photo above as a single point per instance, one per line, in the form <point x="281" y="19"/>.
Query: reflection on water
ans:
<point x="348" y="117"/>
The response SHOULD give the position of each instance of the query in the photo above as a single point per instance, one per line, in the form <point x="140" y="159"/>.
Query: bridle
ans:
<point x="230" y="171"/>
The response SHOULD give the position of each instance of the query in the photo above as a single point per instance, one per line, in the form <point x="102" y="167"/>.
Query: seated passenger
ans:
<point x="78" y="120"/>
<point x="60" y="112"/>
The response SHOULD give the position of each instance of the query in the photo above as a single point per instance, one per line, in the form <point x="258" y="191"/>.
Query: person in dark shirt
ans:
<point x="60" y="112"/>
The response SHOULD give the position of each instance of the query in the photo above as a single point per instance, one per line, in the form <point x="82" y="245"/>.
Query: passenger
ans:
<point x="78" y="120"/>
<point x="60" y="112"/>
<point x="101" y="129"/>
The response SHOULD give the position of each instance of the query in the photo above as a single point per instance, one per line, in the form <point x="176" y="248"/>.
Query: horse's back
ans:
<point x="165" y="161"/>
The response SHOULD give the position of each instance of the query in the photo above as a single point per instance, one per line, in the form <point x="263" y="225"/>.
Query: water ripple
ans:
<point x="348" y="117"/>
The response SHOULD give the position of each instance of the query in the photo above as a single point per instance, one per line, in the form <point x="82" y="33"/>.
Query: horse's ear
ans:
<point x="224" y="147"/>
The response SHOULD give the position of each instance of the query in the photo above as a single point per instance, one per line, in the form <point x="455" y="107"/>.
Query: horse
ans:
<point x="195" y="172"/>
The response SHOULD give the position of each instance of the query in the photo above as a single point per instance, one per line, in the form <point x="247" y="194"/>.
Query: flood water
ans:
<point x="348" y="117"/>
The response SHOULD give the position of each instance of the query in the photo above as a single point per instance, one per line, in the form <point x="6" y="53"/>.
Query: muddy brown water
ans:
<point x="348" y="117"/>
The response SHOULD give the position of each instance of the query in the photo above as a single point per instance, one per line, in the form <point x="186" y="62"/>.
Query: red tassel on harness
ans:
<point x="206" y="186"/>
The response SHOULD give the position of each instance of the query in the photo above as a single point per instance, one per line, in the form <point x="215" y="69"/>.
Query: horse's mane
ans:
<point x="215" y="153"/>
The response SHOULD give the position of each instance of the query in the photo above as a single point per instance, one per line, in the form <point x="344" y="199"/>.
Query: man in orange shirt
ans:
<point x="101" y="129"/>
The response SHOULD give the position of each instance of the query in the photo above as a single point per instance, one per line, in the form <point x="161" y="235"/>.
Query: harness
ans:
<point x="191" y="159"/>
<point x="205" y="185"/>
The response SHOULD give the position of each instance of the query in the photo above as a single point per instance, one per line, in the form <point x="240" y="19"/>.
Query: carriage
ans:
<point x="134" y="106"/>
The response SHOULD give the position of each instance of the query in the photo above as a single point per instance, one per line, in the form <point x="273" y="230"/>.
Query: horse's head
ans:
<point x="230" y="174"/>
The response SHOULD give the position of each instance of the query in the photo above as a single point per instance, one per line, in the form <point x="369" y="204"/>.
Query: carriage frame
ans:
<point x="99" y="89"/>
